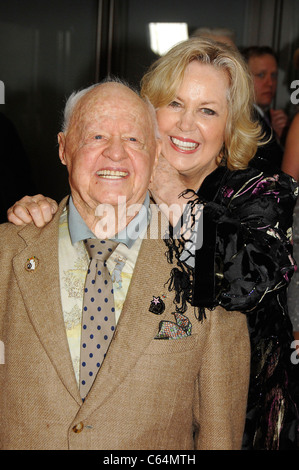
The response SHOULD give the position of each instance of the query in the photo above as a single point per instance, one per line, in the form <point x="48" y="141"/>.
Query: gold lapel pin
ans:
<point x="31" y="264"/>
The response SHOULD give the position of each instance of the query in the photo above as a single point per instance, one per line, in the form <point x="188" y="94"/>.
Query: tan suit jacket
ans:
<point x="151" y="394"/>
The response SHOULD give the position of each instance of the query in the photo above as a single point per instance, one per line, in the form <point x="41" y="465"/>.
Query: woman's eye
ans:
<point x="208" y="111"/>
<point x="174" y="104"/>
<point x="98" y="137"/>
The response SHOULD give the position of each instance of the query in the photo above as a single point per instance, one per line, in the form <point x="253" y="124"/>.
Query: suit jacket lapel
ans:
<point x="40" y="290"/>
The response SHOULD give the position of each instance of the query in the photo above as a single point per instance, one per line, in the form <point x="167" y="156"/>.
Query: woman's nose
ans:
<point x="186" y="121"/>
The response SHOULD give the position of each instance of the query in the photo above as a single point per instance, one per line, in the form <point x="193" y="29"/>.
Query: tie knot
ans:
<point x="100" y="249"/>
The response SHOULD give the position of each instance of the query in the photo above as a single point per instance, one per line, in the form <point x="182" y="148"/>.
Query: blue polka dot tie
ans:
<point x="98" y="318"/>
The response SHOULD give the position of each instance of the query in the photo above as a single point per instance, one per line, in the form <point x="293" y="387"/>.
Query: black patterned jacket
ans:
<point x="245" y="263"/>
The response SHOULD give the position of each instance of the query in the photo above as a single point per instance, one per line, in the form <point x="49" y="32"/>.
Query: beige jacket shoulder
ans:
<point x="184" y="394"/>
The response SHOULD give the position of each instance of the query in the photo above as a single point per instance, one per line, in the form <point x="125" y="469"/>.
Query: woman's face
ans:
<point x="192" y="126"/>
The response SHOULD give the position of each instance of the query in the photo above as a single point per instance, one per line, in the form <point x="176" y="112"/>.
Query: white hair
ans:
<point x="71" y="104"/>
<point x="76" y="96"/>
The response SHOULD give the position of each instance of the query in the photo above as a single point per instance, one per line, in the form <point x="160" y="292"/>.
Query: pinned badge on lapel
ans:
<point x="157" y="305"/>
<point x="31" y="264"/>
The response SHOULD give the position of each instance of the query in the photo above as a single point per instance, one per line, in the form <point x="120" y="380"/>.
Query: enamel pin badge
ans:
<point x="116" y="274"/>
<point x="157" y="305"/>
<point x="31" y="264"/>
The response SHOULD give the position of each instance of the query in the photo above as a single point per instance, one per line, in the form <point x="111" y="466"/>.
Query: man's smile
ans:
<point x="112" y="174"/>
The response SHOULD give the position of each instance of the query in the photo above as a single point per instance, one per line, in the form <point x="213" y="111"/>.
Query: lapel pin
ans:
<point x="116" y="274"/>
<point x="157" y="305"/>
<point x="31" y="264"/>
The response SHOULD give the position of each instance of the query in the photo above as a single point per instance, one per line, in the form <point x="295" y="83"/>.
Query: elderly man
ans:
<point x="157" y="378"/>
<point x="263" y="66"/>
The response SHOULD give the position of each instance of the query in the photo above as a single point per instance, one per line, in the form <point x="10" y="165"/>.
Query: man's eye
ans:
<point x="260" y="75"/>
<point x="135" y="142"/>
<point x="98" y="137"/>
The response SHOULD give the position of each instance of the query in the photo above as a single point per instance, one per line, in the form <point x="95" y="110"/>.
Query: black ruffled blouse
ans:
<point x="247" y="248"/>
<point x="245" y="263"/>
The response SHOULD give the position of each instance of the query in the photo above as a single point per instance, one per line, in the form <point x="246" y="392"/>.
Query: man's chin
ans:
<point x="115" y="202"/>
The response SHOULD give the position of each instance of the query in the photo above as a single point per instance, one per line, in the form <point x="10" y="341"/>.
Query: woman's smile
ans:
<point x="183" y="145"/>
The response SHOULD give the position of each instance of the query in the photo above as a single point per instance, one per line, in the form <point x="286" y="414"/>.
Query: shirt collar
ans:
<point x="79" y="230"/>
<point x="259" y="110"/>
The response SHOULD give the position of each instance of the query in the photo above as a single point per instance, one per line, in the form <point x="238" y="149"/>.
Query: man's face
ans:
<point x="109" y="149"/>
<point x="264" y="71"/>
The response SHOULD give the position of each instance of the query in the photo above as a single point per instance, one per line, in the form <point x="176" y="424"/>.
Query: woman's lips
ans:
<point x="183" y="145"/>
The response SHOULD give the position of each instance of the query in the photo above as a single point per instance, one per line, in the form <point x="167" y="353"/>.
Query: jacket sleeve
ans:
<point x="247" y="244"/>
<point x="220" y="405"/>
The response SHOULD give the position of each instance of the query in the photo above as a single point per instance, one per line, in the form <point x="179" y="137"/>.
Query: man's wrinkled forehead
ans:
<point x="114" y="101"/>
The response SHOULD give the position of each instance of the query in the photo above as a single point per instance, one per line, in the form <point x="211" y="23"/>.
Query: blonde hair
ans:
<point x="164" y="77"/>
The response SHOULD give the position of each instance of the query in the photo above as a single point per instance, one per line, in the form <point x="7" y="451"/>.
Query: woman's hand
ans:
<point x="37" y="209"/>
<point x="166" y="187"/>
<point x="166" y="184"/>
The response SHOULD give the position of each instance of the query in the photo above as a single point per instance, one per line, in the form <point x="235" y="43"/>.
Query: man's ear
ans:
<point x="61" y="142"/>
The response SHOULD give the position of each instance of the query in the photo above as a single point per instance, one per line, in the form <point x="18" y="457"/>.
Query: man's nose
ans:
<point x="270" y="81"/>
<point x="115" y="149"/>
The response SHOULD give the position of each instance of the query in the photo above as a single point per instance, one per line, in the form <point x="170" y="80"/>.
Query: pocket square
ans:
<point x="172" y="330"/>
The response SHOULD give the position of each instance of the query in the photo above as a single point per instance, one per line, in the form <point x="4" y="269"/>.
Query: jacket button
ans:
<point x="78" y="428"/>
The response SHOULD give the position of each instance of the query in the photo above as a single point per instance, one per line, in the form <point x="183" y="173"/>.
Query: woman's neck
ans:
<point x="193" y="181"/>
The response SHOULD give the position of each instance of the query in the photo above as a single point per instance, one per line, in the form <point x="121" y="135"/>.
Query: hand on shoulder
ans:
<point x="37" y="209"/>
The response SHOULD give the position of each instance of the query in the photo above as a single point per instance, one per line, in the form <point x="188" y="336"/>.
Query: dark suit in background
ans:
<point x="268" y="156"/>
<point x="16" y="176"/>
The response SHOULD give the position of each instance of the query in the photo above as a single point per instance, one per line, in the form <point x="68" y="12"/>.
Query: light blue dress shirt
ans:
<point x="79" y="230"/>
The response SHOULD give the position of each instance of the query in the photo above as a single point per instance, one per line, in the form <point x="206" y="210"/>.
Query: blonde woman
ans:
<point x="202" y="94"/>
